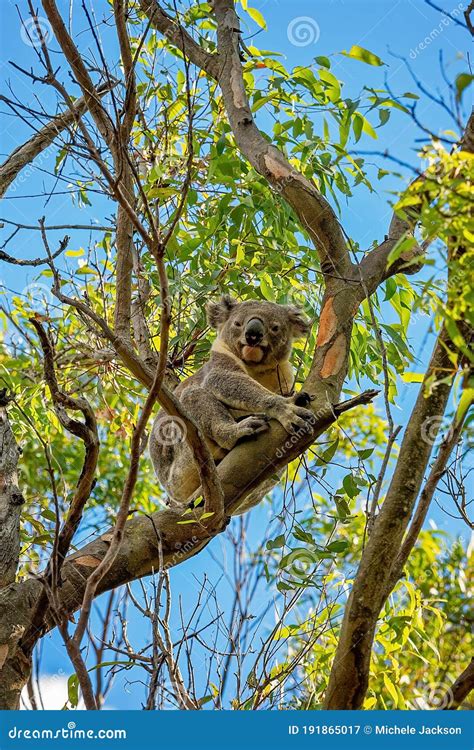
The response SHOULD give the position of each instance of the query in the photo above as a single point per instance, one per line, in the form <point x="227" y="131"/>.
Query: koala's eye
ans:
<point x="237" y="324"/>
<point x="275" y="328"/>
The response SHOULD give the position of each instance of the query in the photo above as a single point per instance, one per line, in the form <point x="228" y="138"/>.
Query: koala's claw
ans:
<point x="253" y="426"/>
<point x="296" y="418"/>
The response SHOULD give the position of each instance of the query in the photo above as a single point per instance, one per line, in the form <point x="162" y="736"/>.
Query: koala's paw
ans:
<point x="295" y="418"/>
<point x="252" y="426"/>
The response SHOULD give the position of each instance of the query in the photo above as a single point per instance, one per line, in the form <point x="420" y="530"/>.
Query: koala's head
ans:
<point x="258" y="333"/>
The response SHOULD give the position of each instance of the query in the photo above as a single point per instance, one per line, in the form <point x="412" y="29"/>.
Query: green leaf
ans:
<point x="73" y="690"/>
<point x="412" y="377"/>
<point x="364" y="55"/>
<point x="365" y="453"/>
<point x="357" y="124"/>
<point x="266" y="287"/>
<point x="327" y="455"/>
<point x="390" y="288"/>
<point x="323" y="61"/>
<point x="340" y="546"/>
<point x="384" y="116"/>
<point x="276" y="543"/>
<point x="350" y="487"/>
<point x="391" y="689"/>
<point x="402" y="246"/>
<point x="257" y="17"/>
<point x="367" y="128"/>
<point x="343" y="509"/>
<point x="463" y="80"/>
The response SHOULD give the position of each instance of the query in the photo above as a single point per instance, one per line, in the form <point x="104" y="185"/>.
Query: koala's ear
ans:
<point x="218" y="312"/>
<point x="299" y="323"/>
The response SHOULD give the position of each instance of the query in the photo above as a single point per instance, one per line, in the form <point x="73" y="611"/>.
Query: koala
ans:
<point x="247" y="381"/>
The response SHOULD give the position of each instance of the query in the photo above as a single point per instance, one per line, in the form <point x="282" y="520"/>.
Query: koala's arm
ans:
<point x="237" y="390"/>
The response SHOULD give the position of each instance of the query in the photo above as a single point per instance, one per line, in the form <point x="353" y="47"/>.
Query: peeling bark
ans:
<point x="334" y="357"/>
<point x="327" y="323"/>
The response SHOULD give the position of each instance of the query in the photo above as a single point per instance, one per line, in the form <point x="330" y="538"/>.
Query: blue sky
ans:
<point x="406" y="28"/>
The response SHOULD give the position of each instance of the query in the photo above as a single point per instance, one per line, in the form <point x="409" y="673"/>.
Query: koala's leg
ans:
<point x="183" y="478"/>
<point x="216" y="421"/>
<point x="172" y="459"/>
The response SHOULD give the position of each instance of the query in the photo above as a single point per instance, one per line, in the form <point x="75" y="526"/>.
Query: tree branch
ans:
<point x="437" y="470"/>
<point x="460" y="689"/>
<point x="25" y="154"/>
<point x="350" y="671"/>
<point x="180" y="38"/>
<point x="11" y="498"/>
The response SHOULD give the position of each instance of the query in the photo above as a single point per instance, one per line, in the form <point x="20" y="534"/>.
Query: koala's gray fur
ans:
<point x="247" y="381"/>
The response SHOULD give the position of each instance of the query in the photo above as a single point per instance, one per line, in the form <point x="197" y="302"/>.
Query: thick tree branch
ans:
<point x="437" y="470"/>
<point x="89" y="91"/>
<point x="350" y="672"/>
<point x="25" y="154"/>
<point x="180" y="38"/>
<point x="11" y="498"/>
<point x="460" y="689"/>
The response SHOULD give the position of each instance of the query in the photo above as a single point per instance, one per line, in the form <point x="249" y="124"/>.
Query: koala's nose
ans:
<point x="254" y="332"/>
